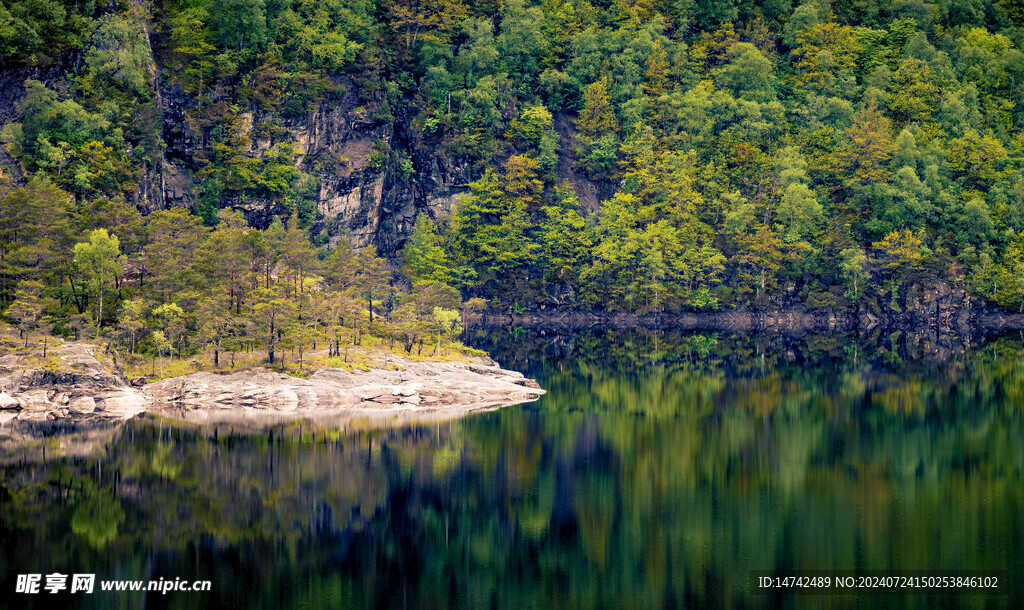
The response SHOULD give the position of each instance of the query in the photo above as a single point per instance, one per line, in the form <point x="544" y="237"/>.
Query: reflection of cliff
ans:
<point x="30" y="442"/>
<point x="657" y="467"/>
<point x="533" y="347"/>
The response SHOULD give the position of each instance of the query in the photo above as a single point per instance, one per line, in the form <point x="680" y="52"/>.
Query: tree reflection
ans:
<point x="658" y="471"/>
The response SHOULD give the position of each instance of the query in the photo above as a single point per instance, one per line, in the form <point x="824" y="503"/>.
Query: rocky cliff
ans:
<point x="366" y="199"/>
<point x="372" y="174"/>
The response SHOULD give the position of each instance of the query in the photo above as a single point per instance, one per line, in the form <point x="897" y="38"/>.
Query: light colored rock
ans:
<point x="451" y="387"/>
<point x="83" y="405"/>
<point x="8" y="402"/>
<point x="447" y="389"/>
<point x="35" y="400"/>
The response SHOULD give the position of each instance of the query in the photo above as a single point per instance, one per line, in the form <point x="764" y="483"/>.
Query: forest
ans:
<point x="744" y="154"/>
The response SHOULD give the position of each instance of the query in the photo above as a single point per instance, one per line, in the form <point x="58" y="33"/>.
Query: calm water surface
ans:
<point x="659" y="471"/>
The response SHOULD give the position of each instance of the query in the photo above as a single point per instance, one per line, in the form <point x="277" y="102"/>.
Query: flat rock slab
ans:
<point x="452" y="387"/>
<point x="83" y="390"/>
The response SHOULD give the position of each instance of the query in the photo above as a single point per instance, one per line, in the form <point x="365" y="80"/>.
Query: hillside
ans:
<point x="640" y="156"/>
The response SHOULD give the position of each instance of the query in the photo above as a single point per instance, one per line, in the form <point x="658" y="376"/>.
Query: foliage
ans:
<point x="101" y="263"/>
<point x="623" y="155"/>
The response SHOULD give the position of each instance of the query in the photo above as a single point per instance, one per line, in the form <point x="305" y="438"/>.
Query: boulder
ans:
<point x="8" y="402"/>
<point x="83" y="405"/>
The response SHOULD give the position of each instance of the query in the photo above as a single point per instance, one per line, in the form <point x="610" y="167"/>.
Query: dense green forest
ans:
<point x="744" y="154"/>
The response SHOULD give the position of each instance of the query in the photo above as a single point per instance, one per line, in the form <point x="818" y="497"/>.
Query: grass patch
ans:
<point x="374" y="352"/>
<point x="36" y="361"/>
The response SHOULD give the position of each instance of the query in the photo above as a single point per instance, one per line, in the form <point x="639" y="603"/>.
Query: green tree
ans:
<point x="799" y="213"/>
<point x="240" y="24"/>
<point x="1010" y="276"/>
<point x="132" y="321"/>
<point x="297" y="255"/>
<point x="706" y="14"/>
<point x="656" y="71"/>
<point x="223" y="259"/>
<point x="172" y="322"/>
<point x="976" y="157"/>
<point x="118" y="61"/>
<point x="901" y="252"/>
<point x="191" y="40"/>
<point x="341" y="265"/>
<point x="853" y="262"/>
<point x="101" y="263"/>
<point x="36" y="237"/>
<point x="597" y="118"/>
<point x="174" y="237"/>
<point x="759" y="257"/>
<point x="565" y="242"/>
<point x="371" y="278"/>
<point x="215" y="323"/>
<point x="873" y="146"/>
<point x="273" y="313"/>
<point x="160" y="345"/>
<point x="448" y="323"/>
<point x="424" y="254"/>
<point x="27" y="308"/>
<point x="491" y="225"/>
<point x="748" y="74"/>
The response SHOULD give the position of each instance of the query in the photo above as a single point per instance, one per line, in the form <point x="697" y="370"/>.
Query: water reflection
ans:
<point x="659" y="470"/>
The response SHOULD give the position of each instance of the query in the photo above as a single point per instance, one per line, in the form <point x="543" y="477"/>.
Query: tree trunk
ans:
<point x="270" y="344"/>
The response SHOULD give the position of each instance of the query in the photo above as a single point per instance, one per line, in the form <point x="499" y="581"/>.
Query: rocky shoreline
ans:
<point x="938" y="307"/>
<point x="81" y="389"/>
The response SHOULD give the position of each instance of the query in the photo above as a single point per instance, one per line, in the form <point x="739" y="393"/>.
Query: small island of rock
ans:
<point x="80" y="388"/>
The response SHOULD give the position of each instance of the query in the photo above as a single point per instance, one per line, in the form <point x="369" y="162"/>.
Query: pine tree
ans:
<point x="597" y="117"/>
<point x="27" y="308"/>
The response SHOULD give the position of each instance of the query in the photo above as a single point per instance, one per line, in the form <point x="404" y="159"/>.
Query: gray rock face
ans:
<point x="367" y="202"/>
<point x="431" y="388"/>
<point x="83" y="390"/>
<point x="81" y="386"/>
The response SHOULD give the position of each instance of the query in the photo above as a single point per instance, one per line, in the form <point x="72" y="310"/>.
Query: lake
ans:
<point x="661" y="469"/>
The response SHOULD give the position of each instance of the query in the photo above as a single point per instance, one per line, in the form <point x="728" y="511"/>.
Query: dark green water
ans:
<point x="659" y="471"/>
